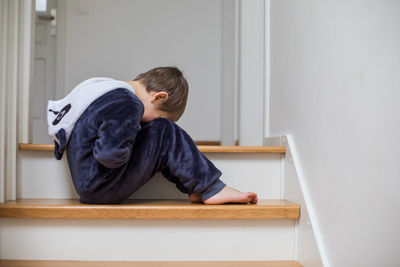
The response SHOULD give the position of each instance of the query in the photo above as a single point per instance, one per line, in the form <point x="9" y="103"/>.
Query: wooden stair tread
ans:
<point x="40" y="263"/>
<point x="204" y="149"/>
<point x="147" y="209"/>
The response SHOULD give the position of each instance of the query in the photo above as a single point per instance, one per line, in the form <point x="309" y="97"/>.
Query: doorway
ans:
<point x="44" y="81"/>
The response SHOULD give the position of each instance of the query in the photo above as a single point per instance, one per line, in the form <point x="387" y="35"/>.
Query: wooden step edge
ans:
<point x="204" y="149"/>
<point x="147" y="209"/>
<point x="243" y="149"/>
<point x="53" y="263"/>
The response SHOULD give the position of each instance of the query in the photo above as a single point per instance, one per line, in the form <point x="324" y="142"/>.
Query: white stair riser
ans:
<point x="147" y="240"/>
<point x="42" y="176"/>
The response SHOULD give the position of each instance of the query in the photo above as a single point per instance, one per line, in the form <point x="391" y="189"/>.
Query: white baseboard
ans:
<point x="274" y="141"/>
<point x="309" y="246"/>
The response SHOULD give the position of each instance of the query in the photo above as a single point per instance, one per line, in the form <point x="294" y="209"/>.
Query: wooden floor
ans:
<point x="16" y="263"/>
<point x="147" y="209"/>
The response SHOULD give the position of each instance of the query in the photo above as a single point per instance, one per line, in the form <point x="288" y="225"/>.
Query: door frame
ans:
<point x="16" y="32"/>
<point x="253" y="80"/>
<point x="245" y="113"/>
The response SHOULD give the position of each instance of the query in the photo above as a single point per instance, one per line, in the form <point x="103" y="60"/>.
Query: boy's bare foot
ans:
<point x="231" y="195"/>
<point x="195" y="198"/>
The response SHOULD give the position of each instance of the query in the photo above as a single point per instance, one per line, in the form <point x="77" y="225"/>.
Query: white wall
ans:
<point x="123" y="38"/>
<point x="335" y="88"/>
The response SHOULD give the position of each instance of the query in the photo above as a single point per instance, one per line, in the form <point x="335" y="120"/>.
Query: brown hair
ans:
<point x="171" y="81"/>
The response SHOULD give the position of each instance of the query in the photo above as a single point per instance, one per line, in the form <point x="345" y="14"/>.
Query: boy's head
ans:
<point x="168" y="90"/>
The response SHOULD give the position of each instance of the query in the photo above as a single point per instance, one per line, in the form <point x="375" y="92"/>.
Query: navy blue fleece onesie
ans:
<point x="111" y="154"/>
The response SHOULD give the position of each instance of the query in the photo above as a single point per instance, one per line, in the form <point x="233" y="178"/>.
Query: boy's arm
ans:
<point x="118" y="125"/>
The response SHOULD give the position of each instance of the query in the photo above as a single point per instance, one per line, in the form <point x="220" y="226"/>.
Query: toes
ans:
<point x="232" y="196"/>
<point x="253" y="199"/>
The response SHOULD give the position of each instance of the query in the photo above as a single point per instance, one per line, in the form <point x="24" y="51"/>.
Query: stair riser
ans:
<point x="147" y="240"/>
<point x="41" y="176"/>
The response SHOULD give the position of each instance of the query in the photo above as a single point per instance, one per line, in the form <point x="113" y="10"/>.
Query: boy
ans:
<point x="119" y="134"/>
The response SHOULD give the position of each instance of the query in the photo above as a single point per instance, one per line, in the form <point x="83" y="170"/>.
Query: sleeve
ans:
<point x="118" y="125"/>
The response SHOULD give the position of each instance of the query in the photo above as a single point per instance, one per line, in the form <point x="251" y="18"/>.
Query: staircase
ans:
<point x="48" y="226"/>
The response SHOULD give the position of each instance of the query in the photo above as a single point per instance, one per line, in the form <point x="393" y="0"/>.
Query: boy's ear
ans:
<point x="160" y="96"/>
